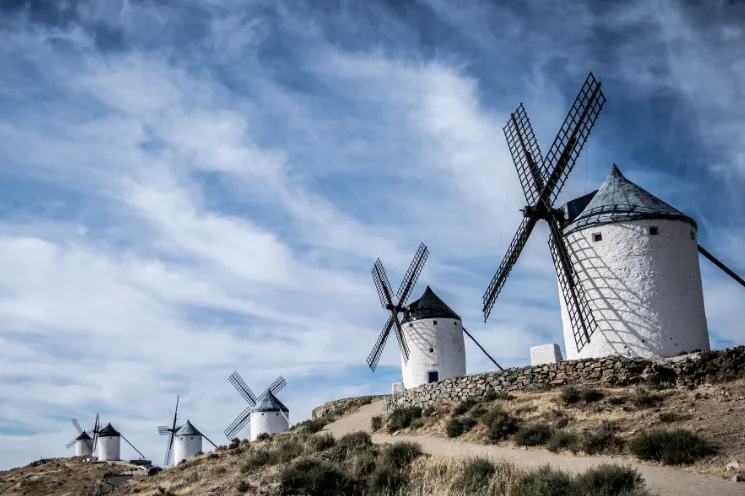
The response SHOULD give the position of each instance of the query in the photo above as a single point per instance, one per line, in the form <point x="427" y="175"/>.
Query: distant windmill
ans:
<point x="542" y="181"/>
<point x="187" y="439"/>
<point x="429" y="337"/>
<point x="266" y="413"/>
<point x="110" y="446"/>
<point x="85" y="443"/>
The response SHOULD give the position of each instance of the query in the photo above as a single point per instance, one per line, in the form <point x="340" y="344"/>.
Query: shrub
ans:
<point x="320" y="442"/>
<point x="311" y="426"/>
<point x="561" y="439"/>
<point x="288" y="449"/>
<point x="570" y="395"/>
<point x="671" y="447"/>
<point x="459" y="425"/>
<point x="417" y="424"/>
<point x="376" y="422"/>
<point x="314" y="477"/>
<point x="475" y="476"/>
<point x="263" y="436"/>
<point x="401" y="454"/>
<point x="545" y="481"/>
<point x="668" y="417"/>
<point x="362" y="464"/>
<point x="429" y="411"/>
<point x="601" y="440"/>
<point x="525" y="409"/>
<point x="499" y="424"/>
<point x="350" y="445"/>
<point x="464" y="406"/>
<point x="533" y="435"/>
<point x="234" y="443"/>
<point x="257" y="459"/>
<point x="401" y="418"/>
<point x="386" y="480"/>
<point x="617" y="400"/>
<point x="642" y="398"/>
<point x="610" y="480"/>
<point x="242" y="487"/>
<point x="590" y="395"/>
<point x="490" y="395"/>
<point x="478" y="411"/>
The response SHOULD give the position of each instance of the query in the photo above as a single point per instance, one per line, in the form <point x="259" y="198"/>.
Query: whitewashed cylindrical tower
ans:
<point x="187" y="443"/>
<point x="637" y="260"/>
<point x="434" y="335"/>
<point x="269" y="416"/>
<point x="109" y="444"/>
<point x="83" y="445"/>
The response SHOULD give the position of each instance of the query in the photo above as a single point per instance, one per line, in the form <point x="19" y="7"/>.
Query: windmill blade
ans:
<point x="238" y="424"/>
<point x="175" y="415"/>
<point x="509" y="260"/>
<point x="277" y="385"/>
<point x="163" y="430"/>
<point x="133" y="447"/>
<point x="77" y="426"/>
<point x="169" y="451"/>
<point x="482" y="348"/>
<point x="96" y="429"/>
<point x="409" y="280"/>
<point x="580" y="315"/>
<point x="374" y="357"/>
<point x="719" y="264"/>
<point x="571" y="138"/>
<point x="68" y="445"/>
<point x="401" y="339"/>
<point x="385" y="292"/>
<point x="238" y="383"/>
<point x="526" y="154"/>
<point x="209" y="441"/>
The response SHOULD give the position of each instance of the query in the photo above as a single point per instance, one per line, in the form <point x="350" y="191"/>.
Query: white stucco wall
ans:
<point x="645" y="290"/>
<point x="109" y="448"/>
<point x="83" y="447"/>
<point x="434" y="345"/>
<point x="268" y="422"/>
<point x="545" y="353"/>
<point x="185" y="447"/>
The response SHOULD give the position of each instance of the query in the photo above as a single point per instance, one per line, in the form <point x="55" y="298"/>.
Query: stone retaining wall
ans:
<point x="337" y="407"/>
<point x="686" y="371"/>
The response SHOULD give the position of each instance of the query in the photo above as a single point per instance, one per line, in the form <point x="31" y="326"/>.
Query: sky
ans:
<point x="189" y="188"/>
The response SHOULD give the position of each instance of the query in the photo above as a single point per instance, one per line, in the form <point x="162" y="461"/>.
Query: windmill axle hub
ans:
<point x="540" y="212"/>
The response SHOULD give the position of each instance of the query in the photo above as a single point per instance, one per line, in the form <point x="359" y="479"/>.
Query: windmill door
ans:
<point x="433" y="376"/>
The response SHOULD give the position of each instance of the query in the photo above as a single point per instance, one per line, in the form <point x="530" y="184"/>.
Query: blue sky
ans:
<point x="192" y="188"/>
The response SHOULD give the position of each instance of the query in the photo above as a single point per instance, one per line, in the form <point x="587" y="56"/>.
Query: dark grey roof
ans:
<point x="269" y="403"/>
<point x="429" y="306"/>
<point x="617" y="200"/>
<point x="188" y="429"/>
<point x="109" y="431"/>
<point x="83" y="437"/>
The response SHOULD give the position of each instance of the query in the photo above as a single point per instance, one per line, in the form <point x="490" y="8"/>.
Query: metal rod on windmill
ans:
<point x="266" y="414"/>
<point x="430" y="337"/>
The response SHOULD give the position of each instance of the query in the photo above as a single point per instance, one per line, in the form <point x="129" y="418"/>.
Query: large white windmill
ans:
<point x="430" y="336"/>
<point x="266" y="413"/>
<point x="109" y="444"/>
<point x="184" y="441"/>
<point x="626" y="262"/>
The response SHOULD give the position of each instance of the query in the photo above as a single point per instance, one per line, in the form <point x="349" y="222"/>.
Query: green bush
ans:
<point x="263" y="436"/>
<point x="289" y="449"/>
<point x="545" y="481"/>
<point x="259" y="458"/>
<point x="477" y="411"/>
<point x="313" y="477"/>
<point x="459" y="425"/>
<point x="617" y="400"/>
<point x="642" y="398"/>
<point x="561" y="439"/>
<point x="464" y="406"/>
<point x="475" y="477"/>
<point x="603" y="439"/>
<point x="401" y="454"/>
<point x="491" y="395"/>
<point x="320" y="442"/>
<point x="671" y="447"/>
<point x="668" y="417"/>
<point x="499" y="424"/>
<point x="610" y="480"/>
<point x="401" y="418"/>
<point x="243" y="486"/>
<point x="590" y="395"/>
<point x="311" y="426"/>
<point x="376" y="422"/>
<point x="234" y="443"/>
<point x="570" y="395"/>
<point x="350" y="445"/>
<point x="387" y="480"/>
<point x="361" y="465"/>
<point x="534" y="435"/>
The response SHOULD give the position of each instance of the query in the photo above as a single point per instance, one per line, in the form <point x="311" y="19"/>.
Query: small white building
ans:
<point x="269" y="416"/>
<point x="188" y="442"/>
<point x="637" y="259"/>
<point x="83" y="445"/>
<point x="434" y="335"/>
<point x="109" y="444"/>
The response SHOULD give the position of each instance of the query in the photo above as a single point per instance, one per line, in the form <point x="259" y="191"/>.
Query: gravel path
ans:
<point x="661" y="480"/>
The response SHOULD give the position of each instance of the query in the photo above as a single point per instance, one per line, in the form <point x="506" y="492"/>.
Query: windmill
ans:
<point x="186" y="438"/>
<point x="429" y="337"/>
<point x="85" y="443"/>
<point x="542" y="180"/>
<point x="266" y="413"/>
<point x="110" y="446"/>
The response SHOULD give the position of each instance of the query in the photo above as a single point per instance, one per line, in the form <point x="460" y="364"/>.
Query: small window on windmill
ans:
<point x="434" y="322"/>
<point x="431" y="350"/>
<point x="654" y="230"/>
<point x="693" y="236"/>
<point x="597" y="237"/>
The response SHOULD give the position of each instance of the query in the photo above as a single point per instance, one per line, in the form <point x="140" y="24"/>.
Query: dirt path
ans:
<point x="661" y="480"/>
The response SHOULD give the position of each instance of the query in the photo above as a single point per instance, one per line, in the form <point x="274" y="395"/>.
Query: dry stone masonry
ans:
<point x="680" y="371"/>
<point x="337" y="407"/>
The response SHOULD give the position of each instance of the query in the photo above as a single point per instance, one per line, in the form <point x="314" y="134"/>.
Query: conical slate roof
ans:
<point x="188" y="429"/>
<point x="83" y="437"/>
<point x="109" y="431"/>
<point x="269" y="403"/>
<point x="617" y="200"/>
<point x="429" y="306"/>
